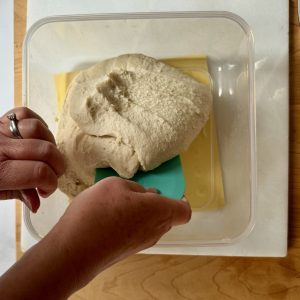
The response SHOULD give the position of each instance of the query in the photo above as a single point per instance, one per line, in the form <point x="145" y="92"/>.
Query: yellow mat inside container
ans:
<point x="201" y="162"/>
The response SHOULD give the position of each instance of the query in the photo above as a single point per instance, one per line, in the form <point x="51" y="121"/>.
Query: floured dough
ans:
<point x="130" y="112"/>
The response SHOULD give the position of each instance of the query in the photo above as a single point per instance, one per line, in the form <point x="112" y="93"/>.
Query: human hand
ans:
<point x="112" y="220"/>
<point x="29" y="167"/>
<point x="104" y="224"/>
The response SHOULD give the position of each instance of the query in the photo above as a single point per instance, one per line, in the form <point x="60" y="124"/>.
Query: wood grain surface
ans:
<point x="168" y="277"/>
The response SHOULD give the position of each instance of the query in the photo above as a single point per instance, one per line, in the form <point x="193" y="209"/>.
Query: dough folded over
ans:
<point x="130" y="112"/>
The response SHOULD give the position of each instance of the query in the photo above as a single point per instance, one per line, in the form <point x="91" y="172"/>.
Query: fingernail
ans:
<point x="26" y="201"/>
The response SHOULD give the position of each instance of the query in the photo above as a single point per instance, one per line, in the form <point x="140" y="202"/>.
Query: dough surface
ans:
<point x="130" y="112"/>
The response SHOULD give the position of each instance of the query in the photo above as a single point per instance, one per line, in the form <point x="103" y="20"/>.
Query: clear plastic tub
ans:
<point x="65" y="43"/>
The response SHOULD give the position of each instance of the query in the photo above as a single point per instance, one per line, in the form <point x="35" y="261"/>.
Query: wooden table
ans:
<point x="169" y="277"/>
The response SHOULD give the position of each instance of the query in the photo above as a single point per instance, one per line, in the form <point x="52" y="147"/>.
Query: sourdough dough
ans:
<point x="130" y="112"/>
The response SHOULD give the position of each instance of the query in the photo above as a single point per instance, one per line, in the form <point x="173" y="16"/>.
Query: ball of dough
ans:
<point x="130" y="112"/>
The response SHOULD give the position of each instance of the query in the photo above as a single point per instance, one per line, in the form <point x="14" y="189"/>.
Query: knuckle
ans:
<point x="7" y="148"/>
<point x="48" y="149"/>
<point x="51" y="154"/>
<point x="36" y="127"/>
<point x="112" y="181"/>
<point x="111" y="185"/>
<point x="43" y="172"/>
<point x="24" y="113"/>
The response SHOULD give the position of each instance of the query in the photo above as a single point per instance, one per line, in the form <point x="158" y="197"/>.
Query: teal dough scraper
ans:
<point x="167" y="178"/>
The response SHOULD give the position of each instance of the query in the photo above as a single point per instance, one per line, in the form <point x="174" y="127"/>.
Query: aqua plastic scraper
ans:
<point x="167" y="178"/>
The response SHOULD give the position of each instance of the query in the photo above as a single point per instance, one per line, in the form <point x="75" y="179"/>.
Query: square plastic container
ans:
<point x="65" y="43"/>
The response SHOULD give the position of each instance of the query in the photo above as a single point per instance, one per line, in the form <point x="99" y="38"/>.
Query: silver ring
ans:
<point x="13" y="126"/>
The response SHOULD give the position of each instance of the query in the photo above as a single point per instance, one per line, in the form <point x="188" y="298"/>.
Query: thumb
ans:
<point x="182" y="212"/>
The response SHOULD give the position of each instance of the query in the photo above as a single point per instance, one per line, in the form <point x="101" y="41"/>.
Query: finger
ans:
<point x="35" y="129"/>
<point x="30" y="129"/>
<point x="25" y="174"/>
<point x="35" y="150"/>
<point x="29" y="197"/>
<point x="180" y="210"/>
<point x="182" y="213"/>
<point x="135" y="187"/>
<point x="22" y="113"/>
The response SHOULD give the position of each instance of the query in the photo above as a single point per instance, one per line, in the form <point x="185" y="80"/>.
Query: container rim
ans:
<point x="137" y="15"/>
<point x="252" y="105"/>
